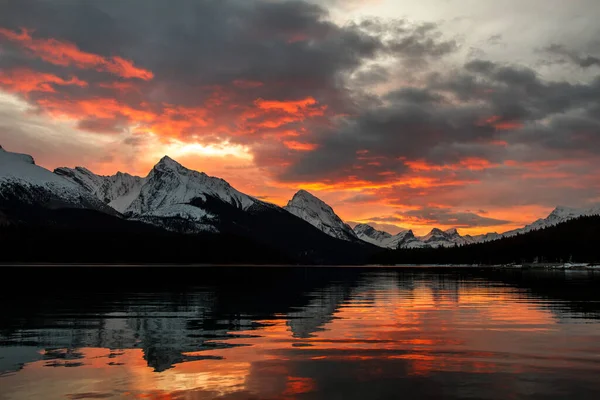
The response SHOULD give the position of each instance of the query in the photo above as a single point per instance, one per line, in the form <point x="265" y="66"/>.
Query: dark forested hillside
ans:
<point x="577" y="240"/>
<point x="34" y="234"/>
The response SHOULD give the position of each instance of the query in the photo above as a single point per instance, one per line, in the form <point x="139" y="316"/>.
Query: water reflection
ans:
<point x="301" y="333"/>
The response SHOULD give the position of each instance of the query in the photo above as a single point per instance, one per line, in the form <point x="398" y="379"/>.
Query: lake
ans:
<point x="299" y="333"/>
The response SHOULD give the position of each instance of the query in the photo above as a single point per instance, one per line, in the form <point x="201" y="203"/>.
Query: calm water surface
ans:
<point x="300" y="333"/>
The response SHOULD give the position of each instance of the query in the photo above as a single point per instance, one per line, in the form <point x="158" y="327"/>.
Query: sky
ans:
<point x="475" y="114"/>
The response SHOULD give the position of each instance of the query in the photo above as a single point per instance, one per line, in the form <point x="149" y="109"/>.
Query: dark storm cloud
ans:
<point x="102" y="125"/>
<point x="498" y="103"/>
<point x="290" y="48"/>
<point x="567" y="55"/>
<point x="441" y="216"/>
<point x="457" y="219"/>
<point x="206" y="42"/>
<point x="413" y="95"/>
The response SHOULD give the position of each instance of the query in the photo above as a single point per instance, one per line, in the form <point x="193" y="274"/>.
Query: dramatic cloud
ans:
<point x="418" y="119"/>
<point x="433" y="215"/>
<point x="567" y="55"/>
<point x="64" y="54"/>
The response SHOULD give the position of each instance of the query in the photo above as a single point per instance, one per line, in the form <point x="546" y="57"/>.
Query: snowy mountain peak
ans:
<point x="451" y="231"/>
<point x="371" y="235"/>
<point x="303" y="194"/>
<point x="170" y="188"/>
<point x="118" y="191"/>
<point x="368" y="230"/>
<point x="21" y="180"/>
<point x="404" y="239"/>
<point x="562" y="212"/>
<point x="434" y="232"/>
<point x="168" y="164"/>
<point x="319" y="214"/>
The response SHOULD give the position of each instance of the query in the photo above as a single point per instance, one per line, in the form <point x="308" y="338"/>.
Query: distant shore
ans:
<point x="565" y="266"/>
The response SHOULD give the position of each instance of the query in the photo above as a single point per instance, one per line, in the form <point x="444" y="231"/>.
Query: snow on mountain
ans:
<point x="317" y="213"/>
<point x="371" y="235"/>
<point x="405" y="239"/>
<point x="558" y="215"/>
<point x="170" y="184"/>
<point x="438" y="238"/>
<point x="118" y="191"/>
<point x="170" y="189"/>
<point x="448" y="238"/>
<point x="22" y="181"/>
<point x="163" y="196"/>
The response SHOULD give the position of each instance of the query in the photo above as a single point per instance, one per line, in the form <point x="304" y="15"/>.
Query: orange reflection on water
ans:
<point x="396" y="331"/>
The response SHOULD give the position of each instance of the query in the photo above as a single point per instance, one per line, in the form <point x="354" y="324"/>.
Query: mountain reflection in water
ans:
<point x="295" y="332"/>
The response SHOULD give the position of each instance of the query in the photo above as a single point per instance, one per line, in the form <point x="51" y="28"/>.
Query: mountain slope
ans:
<point x="170" y="184"/>
<point x="558" y="215"/>
<point x="404" y="239"/>
<point x="320" y="215"/>
<point x="184" y="201"/>
<point x="371" y="235"/>
<point x="118" y="191"/>
<point x="575" y="240"/>
<point x="22" y="182"/>
<point x="172" y="192"/>
<point x="448" y="238"/>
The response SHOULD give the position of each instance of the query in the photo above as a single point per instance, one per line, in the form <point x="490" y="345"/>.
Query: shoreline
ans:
<point x="552" y="266"/>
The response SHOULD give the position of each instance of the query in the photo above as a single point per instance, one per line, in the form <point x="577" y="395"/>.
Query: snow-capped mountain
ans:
<point x="173" y="191"/>
<point x="181" y="200"/>
<point x="320" y="215"/>
<point x="558" y="215"/>
<point x="439" y="238"/>
<point x="171" y="184"/>
<point x="371" y="235"/>
<point x="405" y="239"/>
<point x="23" y="182"/>
<point x="169" y="196"/>
<point x="118" y="191"/>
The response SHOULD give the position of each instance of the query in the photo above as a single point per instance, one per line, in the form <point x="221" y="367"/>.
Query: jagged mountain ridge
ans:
<point x="118" y="191"/>
<point x="319" y="214"/>
<point x="164" y="197"/>
<point x="176" y="198"/>
<point x="558" y="215"/>
<point x="449" y="238"/>
<point x="24" y="182"/>
<point x="404" y="239"/>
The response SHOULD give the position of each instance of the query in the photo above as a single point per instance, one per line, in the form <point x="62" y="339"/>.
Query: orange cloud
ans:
<point x="469" y="163"/>
<point x="273" y="114"/>
<point x="287" y="106"/>
<point x="24" y="80"/>
<point x="65" y="54"/>
<point x="293" y="145"/>
<point x="96" y="108"/>
<point x="173" y="121"/>
<point x="164" y="120"/>
<point x="499" y="124"/>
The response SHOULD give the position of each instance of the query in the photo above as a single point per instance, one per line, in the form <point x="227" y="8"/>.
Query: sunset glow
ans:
<point x="405" y="123"/>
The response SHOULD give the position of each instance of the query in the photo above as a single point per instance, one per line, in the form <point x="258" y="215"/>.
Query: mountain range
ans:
<point x="176" y="199"/>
